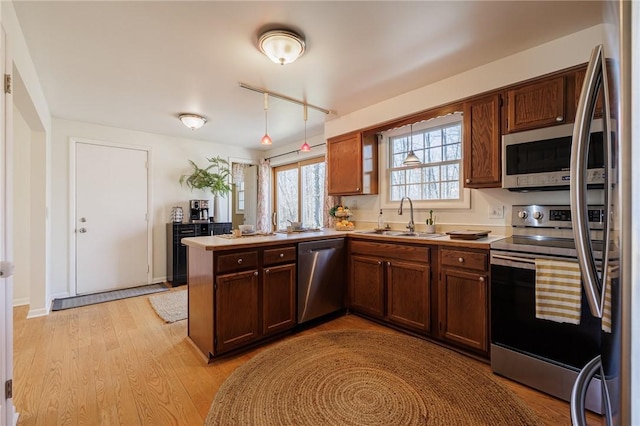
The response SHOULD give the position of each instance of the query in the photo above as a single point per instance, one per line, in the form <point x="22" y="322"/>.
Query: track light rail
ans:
<point x="285" y="98"/>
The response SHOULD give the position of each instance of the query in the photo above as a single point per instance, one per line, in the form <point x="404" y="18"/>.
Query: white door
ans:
<point x="7" y="411"/>
<point x="111" y="229"/>
<point x="250" y="195"/>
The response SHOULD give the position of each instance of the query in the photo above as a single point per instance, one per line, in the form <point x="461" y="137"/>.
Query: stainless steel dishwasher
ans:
<point x="321" y="278"/>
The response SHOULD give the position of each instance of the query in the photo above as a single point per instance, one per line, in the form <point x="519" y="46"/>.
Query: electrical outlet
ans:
<point x="496" y="212"/>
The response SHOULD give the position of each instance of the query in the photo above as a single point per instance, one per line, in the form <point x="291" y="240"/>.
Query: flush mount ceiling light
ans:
<point x="412" y="159"/>
<point x="193" y="121"/>
<point x="281" y="46"/>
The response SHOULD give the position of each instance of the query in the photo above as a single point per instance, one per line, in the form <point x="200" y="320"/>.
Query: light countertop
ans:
<point x="227" y="242"/>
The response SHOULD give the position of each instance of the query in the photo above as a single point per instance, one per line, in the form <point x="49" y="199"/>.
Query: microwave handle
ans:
<point x="595" y="78"/>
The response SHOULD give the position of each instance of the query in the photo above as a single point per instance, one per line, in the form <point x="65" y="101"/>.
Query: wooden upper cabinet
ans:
<point x="579" y="81"/>
<point x="482" y="153"/>
<point x="352" y="164"/>
<point x="535" y="105"/>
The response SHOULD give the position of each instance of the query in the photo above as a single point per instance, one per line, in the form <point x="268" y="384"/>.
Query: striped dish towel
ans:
<point x="606" y="311"/>
<point x="558" y="291"/>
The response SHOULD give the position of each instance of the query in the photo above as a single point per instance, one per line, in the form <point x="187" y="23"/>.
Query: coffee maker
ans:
<point x="199" y="210"/>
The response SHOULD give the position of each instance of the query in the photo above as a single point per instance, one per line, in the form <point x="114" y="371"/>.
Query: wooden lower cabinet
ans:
<point x="408" y="298"/>
<point x="239" y="297"/>
<point x="463" y="296"/>
<point x="366" y="286"/>
<point x="386" y="288"/>
<point x="236" y="318"/>
<point x="278" y="298"/>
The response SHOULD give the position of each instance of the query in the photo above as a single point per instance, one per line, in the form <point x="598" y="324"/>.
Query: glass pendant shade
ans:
<point x="411" y="159"/>
<point x="192" y="121"/>
<point x="266" y="140"/>
<point x="282" y="47"/>
<point x="305" y="147"/>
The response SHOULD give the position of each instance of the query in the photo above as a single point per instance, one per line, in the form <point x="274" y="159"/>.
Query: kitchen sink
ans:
<point x="390" y="233"/>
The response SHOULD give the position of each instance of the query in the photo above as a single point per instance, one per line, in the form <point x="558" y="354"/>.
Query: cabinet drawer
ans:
<point x="464" y="259"/>
<point x="397" y="251"/>
<point x="279" y="255"/>
<point x="237" y="261"/>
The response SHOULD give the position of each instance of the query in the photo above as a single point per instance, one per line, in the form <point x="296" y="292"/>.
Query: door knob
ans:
<point x="82" y="230"/>
<point x="83" y="219"/>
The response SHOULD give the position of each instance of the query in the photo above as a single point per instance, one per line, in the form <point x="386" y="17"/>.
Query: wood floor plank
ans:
<point x="118" y="363"/>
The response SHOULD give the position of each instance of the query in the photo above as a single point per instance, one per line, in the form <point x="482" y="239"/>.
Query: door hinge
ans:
<point x="148" y="268"/>
<point x="7" y="83"/>
<point x="215" y="341"/>
<point x="8" y="389"/>
<point x="215" y="287"/>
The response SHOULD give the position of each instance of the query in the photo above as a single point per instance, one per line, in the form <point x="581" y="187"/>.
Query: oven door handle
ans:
<point x="594" y="79"/>
<point x="513" y="258"/>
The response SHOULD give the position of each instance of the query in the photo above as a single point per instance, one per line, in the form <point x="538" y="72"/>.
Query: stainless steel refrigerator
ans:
<point x="612" y="285"/>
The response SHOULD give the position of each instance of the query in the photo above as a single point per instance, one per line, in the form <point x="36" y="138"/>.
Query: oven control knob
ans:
<point x="522" y="214"/>
<point x="537" y="215"/>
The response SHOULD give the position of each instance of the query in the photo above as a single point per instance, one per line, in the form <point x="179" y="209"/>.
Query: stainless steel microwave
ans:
<point x="539" y="159"/>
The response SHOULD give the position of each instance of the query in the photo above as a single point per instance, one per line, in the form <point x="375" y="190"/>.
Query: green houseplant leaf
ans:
<point x="214" y="177"/>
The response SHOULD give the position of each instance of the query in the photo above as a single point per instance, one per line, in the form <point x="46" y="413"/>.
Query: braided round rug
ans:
<point x="354" y="377"/>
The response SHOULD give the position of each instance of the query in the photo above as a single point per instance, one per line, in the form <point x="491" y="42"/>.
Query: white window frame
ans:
<point x="384" y="167"/>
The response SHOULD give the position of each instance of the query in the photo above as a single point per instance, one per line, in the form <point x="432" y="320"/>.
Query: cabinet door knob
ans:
<point x="389" y="264"/>
<point x="266" y="271"/>
<point x="461" y="259"/>
<point x="255" y="274"/>
<point x="559" y="118"/>
<point x="281" y="255"/>
<point x="467" y="180"/>
<point x="379" y="262"/>
<point x="82" y="230"/>
<point x="239" y="261"/>
<point x="357" y="189"/>
<point x="481" y="279"/>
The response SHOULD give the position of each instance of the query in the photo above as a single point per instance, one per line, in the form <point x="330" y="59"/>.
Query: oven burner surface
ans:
<point x="541" y="245"/>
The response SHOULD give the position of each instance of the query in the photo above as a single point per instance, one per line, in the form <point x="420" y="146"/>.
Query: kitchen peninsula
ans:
<point x="243" y="291"/>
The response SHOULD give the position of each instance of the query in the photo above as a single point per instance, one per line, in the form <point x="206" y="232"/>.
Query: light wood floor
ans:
<point x="117" y="363"/>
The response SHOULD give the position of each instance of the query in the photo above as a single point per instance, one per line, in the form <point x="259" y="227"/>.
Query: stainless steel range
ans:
<point x="540" y="353"/>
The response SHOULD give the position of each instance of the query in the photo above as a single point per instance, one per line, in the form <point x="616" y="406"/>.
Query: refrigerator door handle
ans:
<point x="579" y="391"/>
<point x="578" y="178"/>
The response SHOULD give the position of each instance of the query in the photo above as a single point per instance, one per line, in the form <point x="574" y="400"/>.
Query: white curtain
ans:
<point x="329" y="200"/>
<point x="237" y="171"/>
<point x="263" y="220"/>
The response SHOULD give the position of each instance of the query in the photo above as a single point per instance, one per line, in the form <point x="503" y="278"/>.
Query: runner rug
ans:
<point x="107" y="296"/>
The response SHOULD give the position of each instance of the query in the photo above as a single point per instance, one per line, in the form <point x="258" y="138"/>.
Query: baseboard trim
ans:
<point x="20" y="302"/>
<point x="34" y="313"/>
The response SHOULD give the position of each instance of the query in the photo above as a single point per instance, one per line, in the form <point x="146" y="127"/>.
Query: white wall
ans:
<point x="37" y="116"/>
<point x="169" y="160"/>
<point x="21" y="209"/>
<point x="559" y="54"/>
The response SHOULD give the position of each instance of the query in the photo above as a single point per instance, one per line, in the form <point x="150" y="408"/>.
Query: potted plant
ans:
<point x="214" y="178"/>
<point x="431" y="223"/>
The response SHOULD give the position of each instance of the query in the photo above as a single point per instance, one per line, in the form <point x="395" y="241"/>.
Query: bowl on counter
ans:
<point x="247" y="229"/>
<point x="296" y="226"/>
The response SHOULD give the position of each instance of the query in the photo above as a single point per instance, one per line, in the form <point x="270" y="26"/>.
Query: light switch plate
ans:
<point x="496" y="212"/>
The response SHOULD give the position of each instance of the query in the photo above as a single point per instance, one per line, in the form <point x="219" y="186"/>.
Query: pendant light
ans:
<point x="266" y="140"/>
<point x="412" y="159"/>
<point x="305" y="146"/>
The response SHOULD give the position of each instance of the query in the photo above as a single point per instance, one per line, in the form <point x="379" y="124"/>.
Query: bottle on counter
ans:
<point x="380" y="220"/>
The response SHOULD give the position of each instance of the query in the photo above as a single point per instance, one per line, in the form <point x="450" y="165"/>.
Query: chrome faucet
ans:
<point x="411" y="226"/>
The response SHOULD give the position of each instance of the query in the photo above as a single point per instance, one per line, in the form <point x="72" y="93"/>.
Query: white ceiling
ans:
<point x="137" y="65"/>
